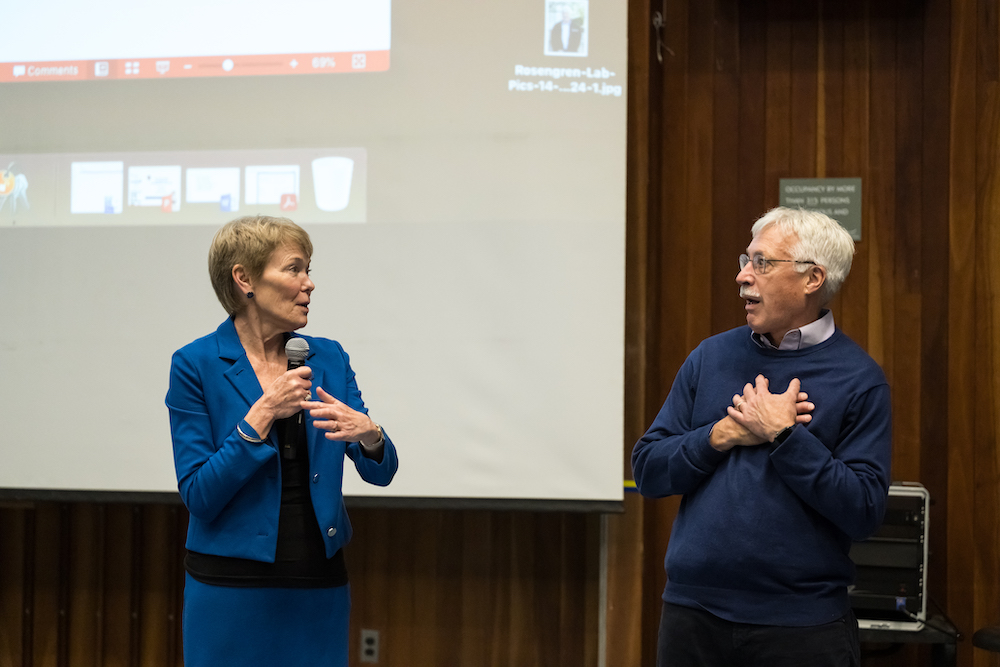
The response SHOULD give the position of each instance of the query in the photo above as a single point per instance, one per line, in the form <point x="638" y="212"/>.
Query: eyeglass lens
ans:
<point x="759" y="263"/>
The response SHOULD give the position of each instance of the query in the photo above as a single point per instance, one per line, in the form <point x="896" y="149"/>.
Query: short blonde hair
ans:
<point x="249" y="241"/>
<point x="820" y="239"/>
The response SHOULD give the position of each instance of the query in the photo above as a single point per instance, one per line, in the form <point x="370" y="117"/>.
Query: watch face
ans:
<point x="783" y="434"/>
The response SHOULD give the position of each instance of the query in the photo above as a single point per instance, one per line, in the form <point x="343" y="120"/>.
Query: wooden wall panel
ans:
<point x="441" y="587"/>
<point x="962" y="360"/>
<point x="935" y="420"/>
<point x="624" y="602"/>
<point x="905" y="236"/>
<point x="748" y="28"/>
<point x="860" y="295"/>
<point x="986" y="471"/>
<point x="84" y="606"/>
<point x="511" y="589"/>
<point x="718" y="259"/>
<point x="12" y="585"/>
<point x="45" y="598"/>
<point x="804" y="82"/>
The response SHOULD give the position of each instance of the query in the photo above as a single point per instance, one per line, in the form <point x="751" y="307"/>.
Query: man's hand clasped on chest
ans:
<point x="757" y="416"/>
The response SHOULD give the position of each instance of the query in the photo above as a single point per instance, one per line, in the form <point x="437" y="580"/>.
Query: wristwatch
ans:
<point x="783" y="434"/>
<point x="377" y="443"/>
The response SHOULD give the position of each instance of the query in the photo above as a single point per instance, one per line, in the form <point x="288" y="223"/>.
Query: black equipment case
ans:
<point x="890" y="589"/>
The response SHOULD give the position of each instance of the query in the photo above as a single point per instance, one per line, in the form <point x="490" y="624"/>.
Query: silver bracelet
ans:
<point x="248" y="438"/>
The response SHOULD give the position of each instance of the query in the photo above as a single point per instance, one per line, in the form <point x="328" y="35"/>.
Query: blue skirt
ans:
<point x="265" y="626"/>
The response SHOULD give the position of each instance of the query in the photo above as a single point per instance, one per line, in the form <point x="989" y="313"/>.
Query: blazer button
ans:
<point x="331" y="532"/>
<point x="315" y="477"/>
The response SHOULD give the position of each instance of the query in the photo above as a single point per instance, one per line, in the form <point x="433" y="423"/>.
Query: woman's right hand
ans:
<point x="282" y="398"/>
<point x="285" y="395"/>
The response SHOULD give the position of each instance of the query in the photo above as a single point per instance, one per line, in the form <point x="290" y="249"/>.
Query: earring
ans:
<point x="249" y="295"/>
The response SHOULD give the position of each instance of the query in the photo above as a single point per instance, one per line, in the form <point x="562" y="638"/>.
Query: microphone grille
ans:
<point x="296" y="349"/>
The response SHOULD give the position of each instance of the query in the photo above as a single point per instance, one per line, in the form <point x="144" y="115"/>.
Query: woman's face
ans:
<point x="282" y="292"/>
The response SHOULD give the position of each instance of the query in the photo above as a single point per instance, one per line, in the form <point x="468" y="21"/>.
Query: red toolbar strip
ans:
<point x="161" y="68"/>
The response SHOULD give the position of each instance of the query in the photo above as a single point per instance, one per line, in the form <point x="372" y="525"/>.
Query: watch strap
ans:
<point x="783" y="434"/>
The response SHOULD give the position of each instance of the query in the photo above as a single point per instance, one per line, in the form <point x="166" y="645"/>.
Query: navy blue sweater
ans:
<point x="763" y="532"/>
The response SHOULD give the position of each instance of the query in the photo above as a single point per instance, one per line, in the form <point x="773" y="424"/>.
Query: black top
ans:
<point x="300" y="560"/>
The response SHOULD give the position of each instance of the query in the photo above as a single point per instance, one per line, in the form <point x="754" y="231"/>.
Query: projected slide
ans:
<point x="214" y="185"/>
<point x="311" y="185"/>
<point x="96" y="187"/>
<point x="466" y="207"/>
<point x="155" y="186"/>
<point x="52" y="40"/>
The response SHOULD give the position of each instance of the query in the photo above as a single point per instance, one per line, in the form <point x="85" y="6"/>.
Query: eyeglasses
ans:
<point x="760" y="263"/>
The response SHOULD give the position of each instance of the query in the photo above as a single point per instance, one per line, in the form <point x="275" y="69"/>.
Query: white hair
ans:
<point x="819" y="239"/>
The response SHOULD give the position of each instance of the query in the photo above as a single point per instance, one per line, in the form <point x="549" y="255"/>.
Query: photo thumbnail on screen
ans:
<point x="566" y="23"/>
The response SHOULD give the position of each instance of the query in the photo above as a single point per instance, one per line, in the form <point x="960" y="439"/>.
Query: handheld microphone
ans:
<point x="296" y="349"/>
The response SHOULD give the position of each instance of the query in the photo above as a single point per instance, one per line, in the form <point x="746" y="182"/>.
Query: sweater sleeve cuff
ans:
<point x="702" y="453"/>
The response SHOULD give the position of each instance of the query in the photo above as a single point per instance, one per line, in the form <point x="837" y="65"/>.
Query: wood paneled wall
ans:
<point x="902" y="93"/>
<point x="87" y="585"/>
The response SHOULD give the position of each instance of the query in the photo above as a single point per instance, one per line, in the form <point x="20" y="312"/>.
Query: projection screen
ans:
<point x="459" y="166"/>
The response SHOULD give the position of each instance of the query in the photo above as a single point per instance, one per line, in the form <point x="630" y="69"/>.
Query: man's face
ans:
<point x="775" y="302"/>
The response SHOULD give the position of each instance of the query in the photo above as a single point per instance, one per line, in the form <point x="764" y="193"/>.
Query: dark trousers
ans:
<point x="695" y="638"/>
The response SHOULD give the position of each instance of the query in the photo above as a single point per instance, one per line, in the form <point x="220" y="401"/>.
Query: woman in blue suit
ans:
<point x="266" y="582"/>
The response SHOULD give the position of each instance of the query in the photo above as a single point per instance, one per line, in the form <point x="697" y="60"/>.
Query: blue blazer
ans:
<point x="231" y="487"/>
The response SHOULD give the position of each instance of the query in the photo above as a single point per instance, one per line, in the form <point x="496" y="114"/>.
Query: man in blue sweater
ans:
<point x="778" y="436"/>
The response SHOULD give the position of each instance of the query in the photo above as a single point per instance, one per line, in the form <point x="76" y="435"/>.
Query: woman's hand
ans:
<point x="340" y="421"/>
<point x="285" y="395"/>
<point x="282" y="398"/>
